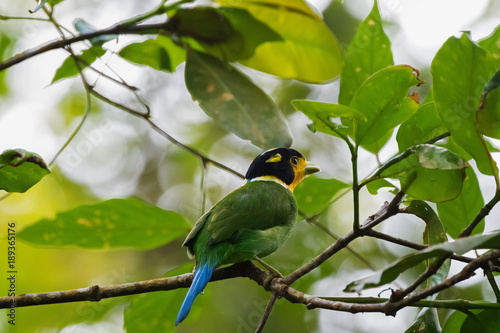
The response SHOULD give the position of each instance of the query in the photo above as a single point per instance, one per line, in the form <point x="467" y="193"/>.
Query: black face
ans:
<point x="269" y="163"/>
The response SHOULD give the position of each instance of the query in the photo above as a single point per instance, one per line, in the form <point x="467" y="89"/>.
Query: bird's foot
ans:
<point x="274" y="272"/>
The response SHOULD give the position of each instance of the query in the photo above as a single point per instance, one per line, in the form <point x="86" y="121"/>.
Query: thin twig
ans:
<point x="481" y="215"/>
<point x="267" y="313"/>
<point x="411" y="245"/>
<point x="493" y="284"/>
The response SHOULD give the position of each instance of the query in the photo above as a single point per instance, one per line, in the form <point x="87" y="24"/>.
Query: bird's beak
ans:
<point x="311" y="168"/>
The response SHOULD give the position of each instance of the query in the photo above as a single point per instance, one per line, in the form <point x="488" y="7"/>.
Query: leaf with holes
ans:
<point x="235" y="102"/>
<point x="112" y="223"/>
<point x="368" y="52"/>
<point x="311" y="53"/>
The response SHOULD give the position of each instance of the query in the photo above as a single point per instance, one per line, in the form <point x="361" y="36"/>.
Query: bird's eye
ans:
<point x="295" y="160"/>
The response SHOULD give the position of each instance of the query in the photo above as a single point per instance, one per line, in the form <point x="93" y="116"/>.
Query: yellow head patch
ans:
<point x="274" y="159"/>
<point x="299" y="171"/>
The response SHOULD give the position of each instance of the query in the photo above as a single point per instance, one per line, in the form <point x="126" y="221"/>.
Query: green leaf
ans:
<point x="427" y="321"/>
<point x="428" y="172"/>
<point x="155" y="312"/>
<point x="488" y="117"/>
<point x="434" y="231"/>
<point x="383" y="100"/>
<point x="322" y="113"/>
<point x="160" y="53"/>
<point x="492" y="44"/>
<point x="229" y="34"/>
<point x="313" y="194"/>
<point x="310" y="54"/>
<point x="423" y="126"/>
<point x="374" y="186"/>
<point x="458" y="213"/>
<point x="458" y="83"/>
<point x="84" y="28"/>
<point x="486" y="321"/>
<point x="368" y="52"/>
<point x="69" y="67"/>
<point x="109" y="224"/>
<point x="234" y="102"/>
<point x="434" y="234"/>
<point x="454" y="322"/>
<point x="20" y="170"/>
<point x="391" y="272"/>
<point x="376" y="146"/>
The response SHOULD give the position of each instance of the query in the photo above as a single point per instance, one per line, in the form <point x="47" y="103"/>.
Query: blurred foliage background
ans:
<point x="116" y="155"/>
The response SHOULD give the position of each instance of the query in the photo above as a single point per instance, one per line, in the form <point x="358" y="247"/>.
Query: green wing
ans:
<point x="241" y="216"/>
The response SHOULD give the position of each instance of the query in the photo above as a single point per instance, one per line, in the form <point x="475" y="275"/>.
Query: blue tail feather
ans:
<point x="201" y="277"/>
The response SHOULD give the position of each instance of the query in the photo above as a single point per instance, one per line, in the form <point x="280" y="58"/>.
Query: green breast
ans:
<point x="254" y="220"/>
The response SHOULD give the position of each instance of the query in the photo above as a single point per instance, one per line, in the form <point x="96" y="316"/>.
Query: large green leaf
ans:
<point x="391" y="272"/>
<point x="458" y="213"/>
<point x="322" y="113"/>
<point x="234" y="102"/>
<point x="434" y="234"/>
<point x="368" y="52"/>
<point x="309" y="51"/>
<point x="313" y="194"/>
<point x="460" y="70"/>
<point x="20" y="170"/>
<point x="155" y="312"/>
<point x="229" y="34"/>
<point x="69" y="67"/>
<point x="382" y="98"/>
<point x="109" y="224"/>
<point x="454" y="322"/>
<point x="160" y="53"/>
<point x="485" y="321"/>
<point x="428" y="172"/>
<point x="423" y="126"/>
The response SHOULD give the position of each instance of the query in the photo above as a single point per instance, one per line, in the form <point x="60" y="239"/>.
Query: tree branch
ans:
<point x="96" y="293"/>
<point x="119" y="29"/>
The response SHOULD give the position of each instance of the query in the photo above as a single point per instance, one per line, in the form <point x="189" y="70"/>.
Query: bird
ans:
<point x="250" y="222"/>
